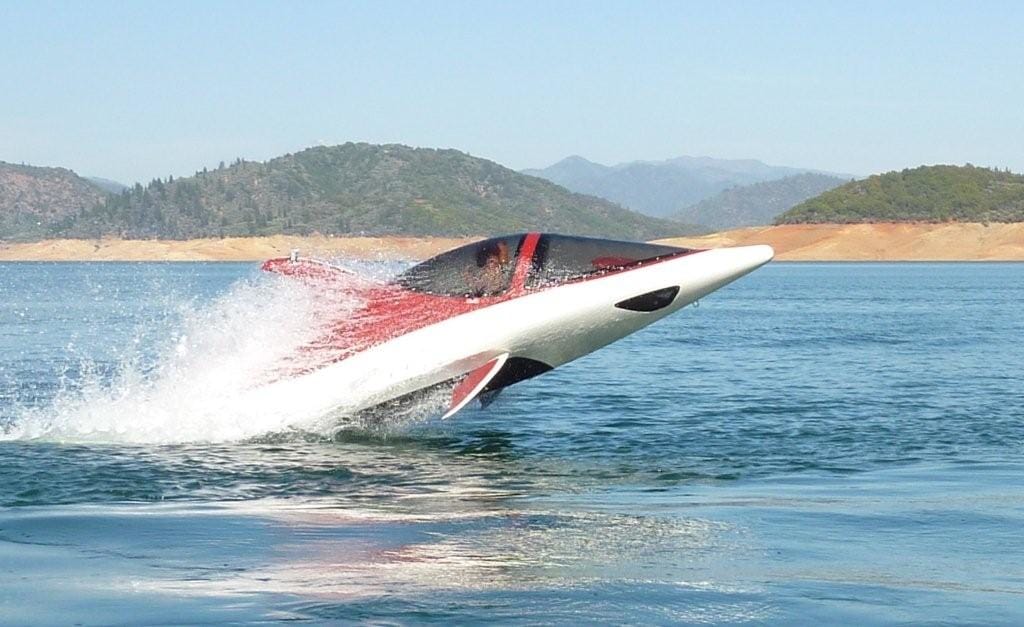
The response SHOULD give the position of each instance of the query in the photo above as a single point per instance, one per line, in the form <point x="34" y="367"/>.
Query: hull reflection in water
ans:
<point x="449" y="529"/>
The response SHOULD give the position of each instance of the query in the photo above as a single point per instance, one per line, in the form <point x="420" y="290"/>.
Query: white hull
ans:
<point x="552" y="326"/>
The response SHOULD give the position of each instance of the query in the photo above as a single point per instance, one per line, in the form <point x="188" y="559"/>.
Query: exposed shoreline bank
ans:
<point x="811" y="242"/>
<point x="229" y="248"/>
<point x="876" y="242"/>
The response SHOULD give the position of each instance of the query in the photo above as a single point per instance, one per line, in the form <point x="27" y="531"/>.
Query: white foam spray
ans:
<point x="210" y="381"/>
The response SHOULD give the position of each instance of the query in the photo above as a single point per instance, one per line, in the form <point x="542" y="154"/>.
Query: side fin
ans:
<point x="293" y="266"/>
<point x="311" y="271"/>
<point x="473" y="383"/>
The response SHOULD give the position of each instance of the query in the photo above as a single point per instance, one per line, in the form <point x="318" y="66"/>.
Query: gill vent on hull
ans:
<point x="651" y="301"/>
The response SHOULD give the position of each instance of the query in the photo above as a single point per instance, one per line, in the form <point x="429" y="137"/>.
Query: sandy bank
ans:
<point x="227" y="249"/>
<point x="876" y="242"/>
<point x="855" y="242"/>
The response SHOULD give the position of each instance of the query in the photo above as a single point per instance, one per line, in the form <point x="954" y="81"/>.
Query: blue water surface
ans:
<point x="816" y="443"/>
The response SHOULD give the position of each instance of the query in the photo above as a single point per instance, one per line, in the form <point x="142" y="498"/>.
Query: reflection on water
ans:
<point x="428" y="525"/>
<point x="318" y="559"/>
<point x="753" y="551"/>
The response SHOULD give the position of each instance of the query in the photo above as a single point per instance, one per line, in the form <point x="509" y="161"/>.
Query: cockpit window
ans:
<point x="561" y="258"/>
<point x="482" y="268"/>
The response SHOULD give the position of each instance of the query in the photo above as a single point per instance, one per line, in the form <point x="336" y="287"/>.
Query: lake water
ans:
<point x="816" y="443"/>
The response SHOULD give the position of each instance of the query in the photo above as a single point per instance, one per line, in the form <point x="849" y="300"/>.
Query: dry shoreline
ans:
<point x="229" y="248"/>
<point x="877" y="242"/>
<point x="826" y="242"/>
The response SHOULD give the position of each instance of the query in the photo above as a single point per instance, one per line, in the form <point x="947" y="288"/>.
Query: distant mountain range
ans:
<point x="662" y="188"/>
<point x="756" y="204"/>
<point x="34" y="199"/>
<point x="107" y="185"/>
<point x="941" y="193"/>
<point x="347" y="189"/>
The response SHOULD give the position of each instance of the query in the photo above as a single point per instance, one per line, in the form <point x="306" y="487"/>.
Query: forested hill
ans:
<point x="757" y="204"/>
<point x="942" y="193"/>
<point x="358" y="189"/>
<point x="34" y="199"/>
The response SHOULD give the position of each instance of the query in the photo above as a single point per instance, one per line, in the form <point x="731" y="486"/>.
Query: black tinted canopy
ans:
<point x="561" y="258"/>
<point x="485" y="268"/>
<point x="479" y="269"/>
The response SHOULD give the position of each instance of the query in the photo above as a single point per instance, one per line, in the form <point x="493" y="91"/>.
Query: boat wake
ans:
<point x="210" y="379"/>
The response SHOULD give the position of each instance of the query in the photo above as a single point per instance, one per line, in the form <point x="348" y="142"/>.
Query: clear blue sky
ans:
<point x="135" y="90"/>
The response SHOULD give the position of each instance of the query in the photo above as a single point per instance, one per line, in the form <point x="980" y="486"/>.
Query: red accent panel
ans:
<point x="472" y="380"/>
<point x="523" y="263"/>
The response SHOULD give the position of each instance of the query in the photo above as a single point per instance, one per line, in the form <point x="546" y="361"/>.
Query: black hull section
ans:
<point x="516" y="369"/>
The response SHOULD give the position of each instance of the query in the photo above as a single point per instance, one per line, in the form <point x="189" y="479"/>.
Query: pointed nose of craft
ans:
<point x="749" y="258"/>
<point x="721" y="266"/>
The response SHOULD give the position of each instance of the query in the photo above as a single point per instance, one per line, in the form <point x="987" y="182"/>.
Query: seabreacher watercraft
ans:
<point x="479" y="318"/>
